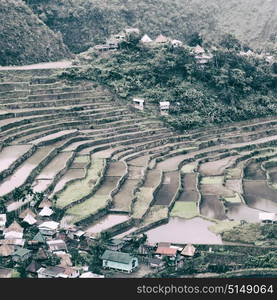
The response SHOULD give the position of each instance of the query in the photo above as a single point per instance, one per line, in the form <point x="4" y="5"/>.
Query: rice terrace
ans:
<point x="101" y="153"/>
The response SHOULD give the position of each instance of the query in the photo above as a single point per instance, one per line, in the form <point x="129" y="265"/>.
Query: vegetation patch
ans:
<point x="87" y="208"/>
<point x="185" y="210"/>
<point x="81" y="188"/>
<point x="189" y="168"/>
<point x="144" y="199"/>
<point x="257" y="234"/>
<point x="212" y="180"/>
<point x="221" y="226"/>
<point x="235" y="199"/>
<point x="155" y="214"/>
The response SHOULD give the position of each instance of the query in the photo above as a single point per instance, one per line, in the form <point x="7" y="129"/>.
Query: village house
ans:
<point x="188" y="251"/>
<point x="45" y="203"/>
<point x="3" y="220"/>
<point x="138" y="103"/>
<point x="27" y="212"/>
<point x="6" y="272"/>
<point x="163" y="250"/>
<point x="156" y="263"/>
<point x="115" y="244"/>
<point x="41" y="255"/>
<point x="21" y="255"/>
<point x="70" y="272"/>
<point x="56" y="245"/>
<point x="268" y="218"/>
<point x="17" y="243"/>
<point x="176" y="43"/>
<point x="33" y="267"/>
<point x="51" y="272"/>
<point x="46" y="212"/>
<point x="146" y="39"/>
<point x="48" y="228"/>
<point x="6" y="250"/>
<point x="37" y="240"/>
<point x="91" y="275"/>
<point x="119" y="261"/>
<point x="161" y="39"/>
<point x="65" y="259"/>
<point x="14" y="231"/>
<point x="30" y="220"/>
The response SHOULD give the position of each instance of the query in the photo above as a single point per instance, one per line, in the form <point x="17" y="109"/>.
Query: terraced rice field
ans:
<point x="75" y="141"/>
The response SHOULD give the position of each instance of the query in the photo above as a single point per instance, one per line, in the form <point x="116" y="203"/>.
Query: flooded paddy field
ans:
<point x="71" y="174"/>
<point x="240" y="211"/>
<point x="217" y="167"/>
<point x="106" y="222"/>
<point x="10" y="154"/>
<point x="23" y="171"/>
<point x="259" y="195"/>
<point x="168" y="188"/>
<point x="190" y="193"/>
<point x="212" y="207"/>
<point x="253" y="171"/>
<point x="181" y="231"/>
<point x="47" y="175"/>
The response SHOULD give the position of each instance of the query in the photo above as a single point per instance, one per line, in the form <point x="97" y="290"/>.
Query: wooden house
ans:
<point x="138" y="103"/>
<point x="119" y="261"/>
<point x="48" y="228"/>
<point x="21" y="255"/>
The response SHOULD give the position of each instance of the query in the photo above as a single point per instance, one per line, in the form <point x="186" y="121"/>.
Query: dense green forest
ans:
<point x="84" y="23"/>
<point x="229" y="88"/>
<point x="24" y="38"/>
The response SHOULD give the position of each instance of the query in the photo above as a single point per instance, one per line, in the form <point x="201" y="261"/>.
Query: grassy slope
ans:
<point x="24" y="38"/>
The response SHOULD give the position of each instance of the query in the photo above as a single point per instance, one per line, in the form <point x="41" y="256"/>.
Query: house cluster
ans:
<point x="34" y="239"/>
<point x="157" y="256"/>
<point x="263" y="55"/>
<point x="112" y="43"/>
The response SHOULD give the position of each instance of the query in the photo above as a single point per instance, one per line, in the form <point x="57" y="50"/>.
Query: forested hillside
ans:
<point x="24" y="38"/>
<point x="230" y="87"/>
<point x="84" y="23"/>
<point x="252" y="21"/>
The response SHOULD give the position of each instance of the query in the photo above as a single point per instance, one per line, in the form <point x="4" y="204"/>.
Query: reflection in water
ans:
<point x="240" y="211"/>
<point x="181" y="231"/>
<point x="107" y="222"/>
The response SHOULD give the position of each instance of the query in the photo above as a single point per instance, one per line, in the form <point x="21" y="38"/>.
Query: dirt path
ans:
<point x="49" y="65"/>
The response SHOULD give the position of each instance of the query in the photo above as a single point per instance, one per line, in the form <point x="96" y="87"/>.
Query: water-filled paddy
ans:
<point x="106" y="222"/>
<point x="10" y="154"/>
<point x="181" y="231"/>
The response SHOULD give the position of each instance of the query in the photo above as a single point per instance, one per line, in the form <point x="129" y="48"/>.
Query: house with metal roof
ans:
<point x="57" y="245"/>
<point x="3" y="220"/>
<point x="119" y="261"/>
<point x="21" y="254"/>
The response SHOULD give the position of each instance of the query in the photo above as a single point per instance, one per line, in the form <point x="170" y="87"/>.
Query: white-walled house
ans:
<point x="139" y="103"/>
<point x="48" y="228"/>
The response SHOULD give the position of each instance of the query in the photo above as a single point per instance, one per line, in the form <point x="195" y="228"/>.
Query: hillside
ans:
<point x="84" y="23"/>
<point x="230" y="87"/>
<point x="24" y="38"/>
<point x="252" y="21"/>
